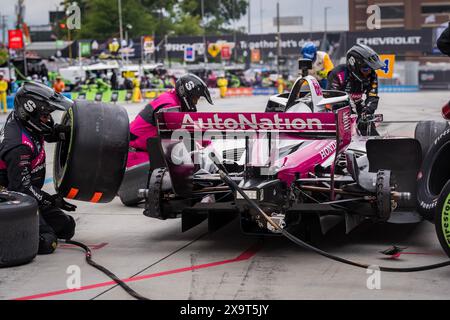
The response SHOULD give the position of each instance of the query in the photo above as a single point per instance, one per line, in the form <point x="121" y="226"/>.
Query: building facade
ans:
<point x="405" y="14"/>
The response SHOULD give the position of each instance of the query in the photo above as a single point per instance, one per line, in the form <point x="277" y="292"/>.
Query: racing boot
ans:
<point x="47" y="243"/>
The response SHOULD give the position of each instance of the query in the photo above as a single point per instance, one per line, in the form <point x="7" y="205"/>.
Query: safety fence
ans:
<point x="126" y="96"/>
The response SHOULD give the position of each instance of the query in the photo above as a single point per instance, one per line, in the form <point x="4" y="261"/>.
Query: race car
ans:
<point x="302" y="161"/>
<point x="305" y="161"/>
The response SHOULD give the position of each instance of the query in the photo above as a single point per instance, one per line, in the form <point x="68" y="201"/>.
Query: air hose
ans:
<point x="233" y="186"/>
<point x="91" y="262"/>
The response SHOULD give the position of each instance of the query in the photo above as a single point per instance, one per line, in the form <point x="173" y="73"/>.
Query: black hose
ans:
<point x="233" y="185"/>
<point x="91" y="262"/>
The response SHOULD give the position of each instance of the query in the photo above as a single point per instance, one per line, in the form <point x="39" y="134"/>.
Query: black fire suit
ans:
<point x="363" y="93"/>
<point x="22" y="169"/>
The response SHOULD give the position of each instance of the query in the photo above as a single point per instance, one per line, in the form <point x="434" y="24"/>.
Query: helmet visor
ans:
<point x="60" y="102"/>
<point x="374" y="62"/>
<point x="207" y="96"/>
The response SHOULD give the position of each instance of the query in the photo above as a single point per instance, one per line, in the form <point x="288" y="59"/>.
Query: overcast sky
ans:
<point x="36" y="13"/>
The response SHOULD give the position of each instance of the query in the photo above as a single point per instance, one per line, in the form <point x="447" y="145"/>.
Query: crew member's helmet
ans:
<point x="309" y="51"/>
<point x="33" y="105"/>
<point x="189" y="89"/>
<point x="362" y="61"/>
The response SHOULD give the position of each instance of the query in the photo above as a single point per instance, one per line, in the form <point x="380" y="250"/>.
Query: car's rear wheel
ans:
<point x="434" y="175"/>
<point x="89" y="166"/>
<point x="442" y="219"/>
<point x="427" y="131"/>
<point x="19" y="229"/>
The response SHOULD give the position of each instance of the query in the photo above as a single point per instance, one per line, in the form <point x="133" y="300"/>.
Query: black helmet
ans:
<point x="34" y="100"/>
<point x="361" y="57"/>
<point x="190" y="87"/>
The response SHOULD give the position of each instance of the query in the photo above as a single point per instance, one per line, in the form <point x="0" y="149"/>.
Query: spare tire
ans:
<point x="19" y="229"/>
<point x="135" y="178"/>
<point x="434" y="175"/>
<point x="89" y="166"/>
<point x="442" y="219"/>
<point x="427" y="131"/>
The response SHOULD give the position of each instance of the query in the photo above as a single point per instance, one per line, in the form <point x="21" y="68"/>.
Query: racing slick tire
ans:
<point x="135" y="178"/>
<point x="90" y="165"/>
<point x="19" y="229"/>
<point x="427" y="131"/>
<point x="434" y="175"/>
<point x="442" y="219"/>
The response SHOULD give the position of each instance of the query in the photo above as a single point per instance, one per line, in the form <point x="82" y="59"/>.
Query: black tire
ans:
<point x="19" y="229"/>
<point x="135" y="178"/>
<point x="442" y="219"/>
<point x="434" y="175"/>
<point x="90" y="165"/>
<point x="427" y="131"/>
<point x="155" y="205"/>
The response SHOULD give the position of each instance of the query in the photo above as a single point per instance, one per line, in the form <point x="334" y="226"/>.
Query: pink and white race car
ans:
<point x="302" y="160"/>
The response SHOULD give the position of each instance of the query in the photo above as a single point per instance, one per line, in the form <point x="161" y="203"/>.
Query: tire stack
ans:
<point x="19" y="229"/>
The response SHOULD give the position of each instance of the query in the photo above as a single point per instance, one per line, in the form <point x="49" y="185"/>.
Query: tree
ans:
<point x="100" y="19"/>
<point x="188" y="25"/>
<point x="219" y="14"/>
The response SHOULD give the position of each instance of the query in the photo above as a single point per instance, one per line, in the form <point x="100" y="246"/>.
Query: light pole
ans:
<point x="119" y="3"/>
<point x="128" y="27"/>
<point x="311" y="19"/>
<point x="205" y="50"/>
<point x="324" y="43"/>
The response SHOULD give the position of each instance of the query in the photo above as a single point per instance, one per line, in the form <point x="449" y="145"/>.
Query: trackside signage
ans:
<point x="282" y="122"/>
<point x="398" y="41"/>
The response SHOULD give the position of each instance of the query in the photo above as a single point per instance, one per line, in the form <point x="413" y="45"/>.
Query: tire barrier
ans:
<point x="120" y="96"/>
<point x="91" y="164"/>
<point x="19" y="229"/>
<point x="114" y="96"/>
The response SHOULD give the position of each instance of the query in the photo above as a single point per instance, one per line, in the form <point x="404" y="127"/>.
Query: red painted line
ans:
<point x="247" y="254"/>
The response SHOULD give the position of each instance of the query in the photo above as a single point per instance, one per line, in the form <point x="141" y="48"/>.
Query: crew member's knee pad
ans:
<point x="47" y="243"/>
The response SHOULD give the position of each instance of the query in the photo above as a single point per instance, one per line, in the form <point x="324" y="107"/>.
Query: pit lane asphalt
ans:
<point x="167" y="264"/>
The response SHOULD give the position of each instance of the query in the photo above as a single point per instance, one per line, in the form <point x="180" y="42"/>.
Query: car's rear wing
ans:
<point x="176" y="126"/>
<point x="332" y="125"/>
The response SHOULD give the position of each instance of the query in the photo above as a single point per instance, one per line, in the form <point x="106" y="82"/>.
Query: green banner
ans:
<point x="85" y="49"/>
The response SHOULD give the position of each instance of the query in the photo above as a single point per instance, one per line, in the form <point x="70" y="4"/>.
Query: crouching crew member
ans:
<point x="22" y="158"/>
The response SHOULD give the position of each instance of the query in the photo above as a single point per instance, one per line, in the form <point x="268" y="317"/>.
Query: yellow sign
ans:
<point x="214" y="49"/>
<point x="388" y="71"/>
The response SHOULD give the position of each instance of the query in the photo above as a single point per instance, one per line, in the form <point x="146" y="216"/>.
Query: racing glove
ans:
<point x="59" y="202"/>
<point x="59" y="132"/>
<point x="371" y="105"/>
<point x="62" y="131"/>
